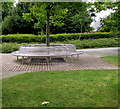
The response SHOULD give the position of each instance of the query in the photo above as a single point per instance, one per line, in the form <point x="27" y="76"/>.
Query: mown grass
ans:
<point x="112" y="59"/>
<point x="82" y="88"/>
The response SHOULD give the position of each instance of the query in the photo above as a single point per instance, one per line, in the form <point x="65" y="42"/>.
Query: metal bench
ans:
<point x="47" y="52"/>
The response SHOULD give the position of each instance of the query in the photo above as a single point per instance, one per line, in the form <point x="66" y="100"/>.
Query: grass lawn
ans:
<point x="112" y="59"/>
<point x="82" y="88"/>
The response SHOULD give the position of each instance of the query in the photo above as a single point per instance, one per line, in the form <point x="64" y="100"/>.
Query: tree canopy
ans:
<point x="60" y="17"/>
<point x="53" y="13"/>
<point x="13" y="21"/>
<point x="111" y="23"/>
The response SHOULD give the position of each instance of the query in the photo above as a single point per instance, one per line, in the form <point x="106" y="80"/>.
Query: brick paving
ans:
<point x="10" y="66"/>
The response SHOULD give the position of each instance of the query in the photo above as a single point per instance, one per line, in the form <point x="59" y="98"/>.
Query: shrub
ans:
<point x="96" y="43"/>
<point x="80" y="44"/>
<point x="10" y="47"/>
<point x="22" y="38"/>
<point x="28" y="38"/>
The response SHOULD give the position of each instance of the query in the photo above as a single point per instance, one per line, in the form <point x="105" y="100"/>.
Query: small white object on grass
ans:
<point x="45" y="102"/>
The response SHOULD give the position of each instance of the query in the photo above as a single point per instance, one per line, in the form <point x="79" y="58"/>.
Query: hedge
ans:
<point x="10" y="47"/>
<point x="28" y="38"/>
<point x="86" y="43"/>
<point x="22" y="38"/>
<point x="96" y="43"/>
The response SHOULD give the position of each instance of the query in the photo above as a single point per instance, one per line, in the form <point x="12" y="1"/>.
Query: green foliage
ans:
<point x="65" y="17"/>
<point x="60" y="16"/>
<point x="9" y="47"/>
<point x="6" y="9"/>
<point x="74" y="22"/>
<point x="74" y="36"/>
<point x="82" y="20"/>
<point x="36" y="15"/>
<point x="81" y="88"/>
<point x="22" y="38"/>
<point x="80" y="44"/>
<point x="96" y="43"/>
<point x="13" y="21"/>
<point x="111" y="23"/>
<point x="99" y="6"/>
<point x="9" y="24"/>
<point x="30" y="17"/>
<point x="28" y="38"/>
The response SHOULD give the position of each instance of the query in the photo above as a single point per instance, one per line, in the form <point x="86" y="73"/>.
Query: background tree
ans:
<point x="54" y="13"/>
<point x="13" y="22"/>
<point x="111" y="23"/>
<point x="83" y="21"/>
<point x="73" y="21"/>
<point x="100" y="6"/>
<point x="35" y="19"/>
<point x="6" y="8"/>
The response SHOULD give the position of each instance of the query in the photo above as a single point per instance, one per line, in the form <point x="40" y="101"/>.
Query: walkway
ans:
<point x="89" y="60"/>
<point x="100" y="52"/>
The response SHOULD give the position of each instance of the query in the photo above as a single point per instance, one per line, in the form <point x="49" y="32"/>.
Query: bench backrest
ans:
<point x="42" y="49"/>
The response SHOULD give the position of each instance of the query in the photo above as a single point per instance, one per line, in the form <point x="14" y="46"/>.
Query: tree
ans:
<point x="73" y="20"/>
<point x="6" y="8"/>
<point x="82" y="20"/>
<point x="111" y="23"/>
<point x="99" y="6"/>
<point x="53" y="11"/>
<point x="45" y="13"/>
<point x="14" y="23"/>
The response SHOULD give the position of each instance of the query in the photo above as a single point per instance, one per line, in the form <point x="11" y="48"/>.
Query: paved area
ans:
<point x="89" y="60"/>
<point x="100" y="52"/>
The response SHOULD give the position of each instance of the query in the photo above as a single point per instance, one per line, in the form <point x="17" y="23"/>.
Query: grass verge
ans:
<point x="112" y="59"/>
<point x="81" y="88"/>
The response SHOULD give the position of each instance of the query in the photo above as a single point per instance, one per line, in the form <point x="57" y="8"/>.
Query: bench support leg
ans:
<point x="77" y="56"/>
<point x="22" y="59"/>
<point x="17" y="58"/>
<point x="47" y="59"/>
<point x="71" y="58"/>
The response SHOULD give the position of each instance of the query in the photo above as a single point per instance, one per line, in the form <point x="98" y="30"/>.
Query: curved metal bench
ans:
<point x="43" y="51"/>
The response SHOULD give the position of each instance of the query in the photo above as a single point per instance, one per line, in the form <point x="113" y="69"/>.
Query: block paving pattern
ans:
<point x="10" y="66"/>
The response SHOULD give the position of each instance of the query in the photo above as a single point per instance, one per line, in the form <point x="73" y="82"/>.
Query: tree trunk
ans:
<point x="42" y="32"/>
<point x="47" y="28"/>
<point x="80" y="32"/>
